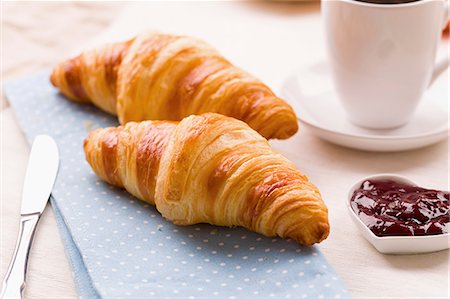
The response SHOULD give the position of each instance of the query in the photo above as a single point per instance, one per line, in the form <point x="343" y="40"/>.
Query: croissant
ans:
<point x="167" y="77"/>
<point x="210" y="169"/>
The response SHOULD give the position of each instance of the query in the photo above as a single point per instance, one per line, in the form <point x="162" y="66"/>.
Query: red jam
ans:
<point x="392" y="208"/>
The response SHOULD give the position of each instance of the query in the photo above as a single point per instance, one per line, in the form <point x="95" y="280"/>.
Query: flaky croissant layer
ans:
<point x="210" y="169"/>
<point x="167" y="77"/>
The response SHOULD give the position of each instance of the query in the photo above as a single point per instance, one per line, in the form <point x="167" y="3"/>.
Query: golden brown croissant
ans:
<point x="210" y="169"/>
<point x="167" y="77"/>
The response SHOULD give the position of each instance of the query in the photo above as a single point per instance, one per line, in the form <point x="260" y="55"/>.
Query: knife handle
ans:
<point x="14" y="281"/>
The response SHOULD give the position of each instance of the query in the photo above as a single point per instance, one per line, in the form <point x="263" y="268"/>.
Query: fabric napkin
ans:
<point x="120" y="247"/>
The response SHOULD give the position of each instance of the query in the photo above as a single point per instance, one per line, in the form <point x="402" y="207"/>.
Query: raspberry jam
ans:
<point x="392" y="208"/>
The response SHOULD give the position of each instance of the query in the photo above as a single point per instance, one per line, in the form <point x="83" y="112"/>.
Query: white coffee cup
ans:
<point x="382" y="56"/>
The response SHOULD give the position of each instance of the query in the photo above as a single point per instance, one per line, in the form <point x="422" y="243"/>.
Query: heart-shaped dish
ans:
<point x="397" y="244"/>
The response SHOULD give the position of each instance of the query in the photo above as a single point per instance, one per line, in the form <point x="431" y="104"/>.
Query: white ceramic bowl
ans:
<point x="400" y="244"/>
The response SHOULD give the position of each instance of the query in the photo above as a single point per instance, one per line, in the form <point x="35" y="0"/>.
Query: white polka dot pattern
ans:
<point x="129" y="250"/>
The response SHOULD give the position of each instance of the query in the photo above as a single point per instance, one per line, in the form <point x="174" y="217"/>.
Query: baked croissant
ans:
<point x="210" y="169"/>
<point x="168" y="77"/>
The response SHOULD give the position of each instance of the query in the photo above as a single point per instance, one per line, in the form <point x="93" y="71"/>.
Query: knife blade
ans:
<point x="40" y="177"/>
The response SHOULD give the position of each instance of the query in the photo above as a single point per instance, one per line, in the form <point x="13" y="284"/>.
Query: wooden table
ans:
<point x="268" y="40"/>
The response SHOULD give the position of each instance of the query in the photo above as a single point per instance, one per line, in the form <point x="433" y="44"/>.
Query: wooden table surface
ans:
<point x="268" y="40"/>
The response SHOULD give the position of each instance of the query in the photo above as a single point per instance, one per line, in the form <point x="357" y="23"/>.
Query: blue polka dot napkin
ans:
<point x="122" y="248"/>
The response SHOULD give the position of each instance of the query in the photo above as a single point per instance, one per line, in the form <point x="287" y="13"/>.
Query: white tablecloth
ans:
<point x="270" y="41"/>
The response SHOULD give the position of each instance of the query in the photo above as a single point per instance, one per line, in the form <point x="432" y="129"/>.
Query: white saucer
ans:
<point x="310" y="91"/>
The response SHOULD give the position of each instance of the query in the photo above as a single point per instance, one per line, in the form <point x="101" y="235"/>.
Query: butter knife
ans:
<point x="39" y="179"/>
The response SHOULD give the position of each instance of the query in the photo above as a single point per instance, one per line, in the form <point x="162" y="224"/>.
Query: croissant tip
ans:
<point x="319" y="232"/>
<point x="86" y="141"/>
<point x="325" y="229"/>
<point x="53" y="78"/>
<point x="287" y="130"/>
<point x="91" y="135"/>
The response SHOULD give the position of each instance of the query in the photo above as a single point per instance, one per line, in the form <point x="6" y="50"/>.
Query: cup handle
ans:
<point x="445" y="62"/>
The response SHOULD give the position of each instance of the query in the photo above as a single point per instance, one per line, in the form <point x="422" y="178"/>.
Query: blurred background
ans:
<point x="37" y="34"/>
